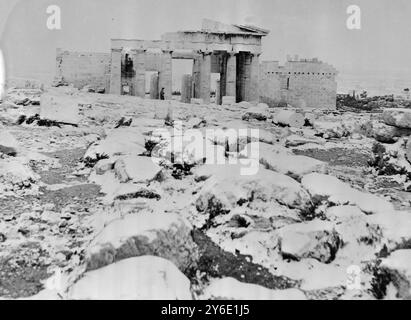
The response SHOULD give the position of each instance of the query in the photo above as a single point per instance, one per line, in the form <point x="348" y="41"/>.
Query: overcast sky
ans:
<point x="310" y="28"/>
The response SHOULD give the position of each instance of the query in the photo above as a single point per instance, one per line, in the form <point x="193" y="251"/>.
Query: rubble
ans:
<point x="281" y="215"/>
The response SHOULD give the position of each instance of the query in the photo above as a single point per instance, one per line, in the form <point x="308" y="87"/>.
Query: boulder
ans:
<point x="290" y="118"/>
<point x="260" y="112"/>
<point x="15" y="175"/>
<point x="232" y="289"/>
<point x="60" y="108"/>
<point x="139" y="278"/>
<point x="343" y="213"/>
<point x="330" y="129"/>
<point x="8" y="144"/>
<point x="398" y="117"/>
<point x="122" y="141"/>
<point x="128" y="191"/>
<point x="137" y="169"/>
<point x="227" y="188"/>
<point x="294" y="166"/>
<point x="315" y="239"/>
<point x="398" y="268"/>
<point x="163" y="235"/>
<point x="190" y="152"/>
<point x="394" y="229"/>
<point x="104" y="165"/>
<point x="296" y="140"/>
<point x="387" y="134"/>
<point x="325" y="187"/>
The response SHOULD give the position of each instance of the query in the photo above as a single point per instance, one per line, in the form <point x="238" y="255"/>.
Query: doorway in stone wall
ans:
<point x="127" y="75"/>
<point x="180" y="67"/>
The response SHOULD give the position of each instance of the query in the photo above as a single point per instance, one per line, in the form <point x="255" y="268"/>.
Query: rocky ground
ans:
<point x="115" y="203"/>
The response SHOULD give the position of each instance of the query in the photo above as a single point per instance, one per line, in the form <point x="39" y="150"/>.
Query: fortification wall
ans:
<point x="302" y="83"/>
<point x="84" y="68"/>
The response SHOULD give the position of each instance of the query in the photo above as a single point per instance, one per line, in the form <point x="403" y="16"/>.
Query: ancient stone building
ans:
<point x="232" y="51"/>
<point x="302" y="83"/>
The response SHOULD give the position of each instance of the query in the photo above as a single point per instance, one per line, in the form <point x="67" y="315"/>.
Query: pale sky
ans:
<point x="309" y="28"/>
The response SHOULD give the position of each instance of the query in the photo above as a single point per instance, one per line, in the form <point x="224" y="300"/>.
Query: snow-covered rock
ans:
<point x="394" y="229"/>
<point x="139" y="278"/>
<point x="330" y="129"/>
<point x="227" y="188"/>
<point x="61" y="108"/>
<point x="15" y="175"/>
<point x="232" y="289"/>
<point x="260" y="112"/>
<point x="296" y="140"/>
<point x="398" y="267"/>
<point x="398" y="117"/>
<point x="315" y="239"/>
<point x="272" y="158"/>
<point x="343" y="213"/>
<point x="387" y="134"/>
<point x="137" y="169"/>
<point x="121" y="141"/>
<point x="8" y="143"/>
<point x="326" y="187"/>
<point x="104" y="165"/>
<point x="164" y="235"/>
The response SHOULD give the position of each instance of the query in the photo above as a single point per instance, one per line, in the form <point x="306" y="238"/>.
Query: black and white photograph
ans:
<point x="205" y="150"/>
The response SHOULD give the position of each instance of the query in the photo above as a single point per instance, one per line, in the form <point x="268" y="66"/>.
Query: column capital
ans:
<point x="205" y="52"/>
<point x="169" y="51"/>
<point x="232" y="53"/>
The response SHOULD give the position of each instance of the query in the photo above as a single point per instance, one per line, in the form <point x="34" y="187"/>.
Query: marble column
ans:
<point x="139" y="62"/>
<point x="165" y="75"/>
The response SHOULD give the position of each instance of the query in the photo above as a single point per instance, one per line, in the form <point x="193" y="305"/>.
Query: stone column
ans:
<point x="231" y="77"/>
<point x="254" y="95"/>
<point x="218" y="92"/>
<point x="139" y="57"/>
<point x="186" y="88"/>
<point x="205" y="76"/>
<point x="165" y="75"/>
<point x="115" y="71"/>
<point x="196" y="78"/>
<point x="154" y="86"/>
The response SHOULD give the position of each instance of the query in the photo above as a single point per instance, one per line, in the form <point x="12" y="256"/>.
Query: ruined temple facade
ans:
<point x="302" y="83"/>
<point x="232" y="51"/>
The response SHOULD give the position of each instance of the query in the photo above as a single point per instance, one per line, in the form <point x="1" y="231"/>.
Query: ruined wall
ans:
<point x="84" y="68"/>
<point x="301" y="83"/>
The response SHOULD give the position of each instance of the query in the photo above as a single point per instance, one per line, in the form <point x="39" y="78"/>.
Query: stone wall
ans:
<point x="84" y="68"/>
<point x="300" y="83"/>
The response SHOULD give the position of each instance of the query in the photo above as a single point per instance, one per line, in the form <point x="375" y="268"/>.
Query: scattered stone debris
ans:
<point x="99" y="195"/>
